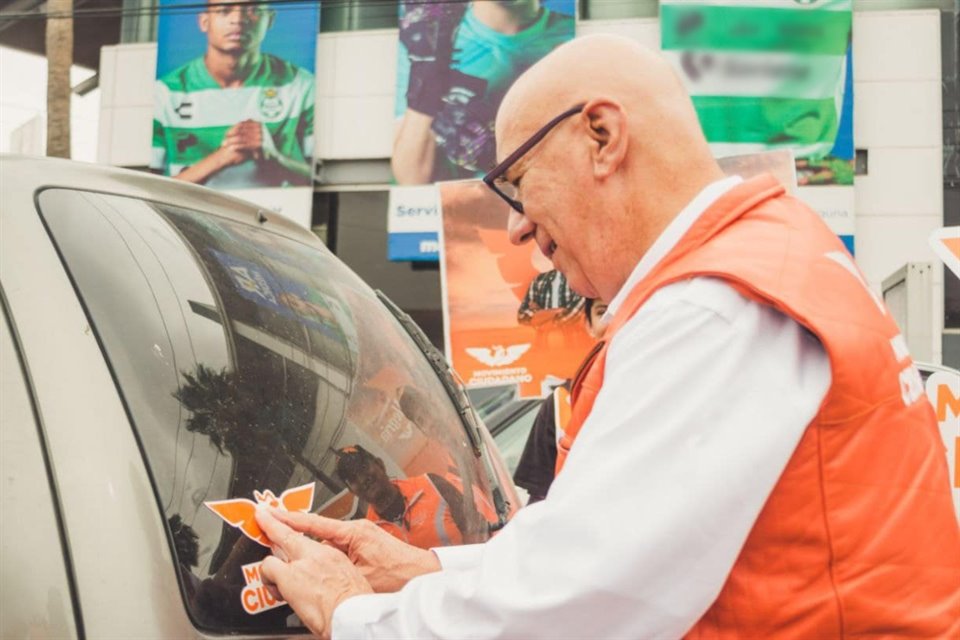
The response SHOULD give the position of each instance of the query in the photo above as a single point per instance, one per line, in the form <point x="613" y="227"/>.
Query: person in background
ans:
<point x="549" y="299"/>
<point x="750" y="454"/>
<point x="537" y="464"/>
<point x="425" y="511"/>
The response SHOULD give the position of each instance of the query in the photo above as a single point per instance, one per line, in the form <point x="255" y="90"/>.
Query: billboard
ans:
<point x="509" y="318"/>
<point x="456" y="62"/>
<point x="234" y="99"/>
<point x="773" y="74"/>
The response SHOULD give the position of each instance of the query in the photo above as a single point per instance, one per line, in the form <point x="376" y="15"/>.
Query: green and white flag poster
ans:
<point x="773" y="74"/>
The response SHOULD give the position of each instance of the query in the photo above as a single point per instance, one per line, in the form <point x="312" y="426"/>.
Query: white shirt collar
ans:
<point x="671" y="236"/>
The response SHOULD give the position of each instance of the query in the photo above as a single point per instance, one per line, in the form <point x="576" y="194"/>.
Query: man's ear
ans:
<point x="203" y="20"/>
<point x="607" y="127"/>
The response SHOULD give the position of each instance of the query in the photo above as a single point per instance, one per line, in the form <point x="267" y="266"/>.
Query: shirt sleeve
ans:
<point x="403" y="80"/>
<point x="158" y="146"/>
<point x="705" y="396"/>
<point x="305" y="124"/>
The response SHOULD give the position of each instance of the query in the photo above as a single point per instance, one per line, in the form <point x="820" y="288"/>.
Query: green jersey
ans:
<point x="193" y="113"/>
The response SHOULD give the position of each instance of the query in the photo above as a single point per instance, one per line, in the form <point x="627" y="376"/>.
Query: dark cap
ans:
<point x="352" y="460"/>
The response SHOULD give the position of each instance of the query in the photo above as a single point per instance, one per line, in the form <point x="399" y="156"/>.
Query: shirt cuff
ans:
<point x="465" y="556"/>
<point x="353" y="618"/>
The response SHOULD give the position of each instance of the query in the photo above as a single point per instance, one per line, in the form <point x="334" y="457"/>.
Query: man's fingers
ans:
<point x="286" y="543"/>
<point x="273" y="572"/>
<point x="334" y="531"/>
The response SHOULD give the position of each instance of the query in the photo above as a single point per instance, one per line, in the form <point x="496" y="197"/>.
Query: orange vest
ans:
<point x="426" y="522"/>
<point x="858" y="537"/>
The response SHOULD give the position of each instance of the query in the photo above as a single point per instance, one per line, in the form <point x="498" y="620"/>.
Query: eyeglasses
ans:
<point x="507" y="190"/>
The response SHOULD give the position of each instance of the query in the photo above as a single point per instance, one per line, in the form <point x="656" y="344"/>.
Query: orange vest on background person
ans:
<point x="858" y="537"/>
<point x="426" y="522"/>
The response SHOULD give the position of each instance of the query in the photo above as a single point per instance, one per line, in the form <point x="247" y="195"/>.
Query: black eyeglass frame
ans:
<point x="491" y="178"/>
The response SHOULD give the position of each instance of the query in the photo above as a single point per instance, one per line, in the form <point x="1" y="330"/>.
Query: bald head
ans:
<point x="627" y="163"/>
<point x="606" y="66"/>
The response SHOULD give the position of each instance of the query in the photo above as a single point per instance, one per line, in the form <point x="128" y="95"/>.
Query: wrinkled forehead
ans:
<point x="515" y="128"/>
<point x="518" y="114"/>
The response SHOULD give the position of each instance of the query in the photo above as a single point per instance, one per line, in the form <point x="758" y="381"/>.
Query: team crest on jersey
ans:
<point x="271" y="106"/>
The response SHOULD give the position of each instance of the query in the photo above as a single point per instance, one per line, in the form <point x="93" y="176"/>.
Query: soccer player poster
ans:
<point x="456" y="61"/>
<point x="234" y="99"/>
<point x="509" y="318"/>
<point x="773" y="74"/>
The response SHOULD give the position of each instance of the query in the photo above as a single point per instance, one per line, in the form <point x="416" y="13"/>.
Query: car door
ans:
<point x="249" y="365"/>
<point x="35" y="574"/>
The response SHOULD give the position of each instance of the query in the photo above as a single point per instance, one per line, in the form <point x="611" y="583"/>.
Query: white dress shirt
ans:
<point x="705" y="396"/>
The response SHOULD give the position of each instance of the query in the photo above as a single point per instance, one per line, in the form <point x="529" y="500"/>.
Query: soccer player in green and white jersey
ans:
<point x="235" y="117"/>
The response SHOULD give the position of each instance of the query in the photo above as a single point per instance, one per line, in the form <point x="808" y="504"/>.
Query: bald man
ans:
<point x="750" y="454"/>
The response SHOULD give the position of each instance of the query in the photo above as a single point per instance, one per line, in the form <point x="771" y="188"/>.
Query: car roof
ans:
<point x="33" y="174"/>
<point x="933" y="368"/>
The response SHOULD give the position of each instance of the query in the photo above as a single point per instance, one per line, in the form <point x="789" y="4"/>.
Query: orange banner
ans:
<point x="510" y="319"/>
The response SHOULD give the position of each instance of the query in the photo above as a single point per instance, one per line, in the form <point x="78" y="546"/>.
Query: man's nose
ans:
<point x="519" y="227"/>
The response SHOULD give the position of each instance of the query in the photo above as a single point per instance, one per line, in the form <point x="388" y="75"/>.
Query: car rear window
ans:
<point x="257" y="368"/>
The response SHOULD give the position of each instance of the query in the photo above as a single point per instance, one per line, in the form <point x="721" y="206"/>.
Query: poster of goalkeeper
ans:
<point x="456" y="62"/>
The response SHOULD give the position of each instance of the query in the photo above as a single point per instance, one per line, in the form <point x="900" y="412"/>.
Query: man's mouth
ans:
<point x="548" y="248"/>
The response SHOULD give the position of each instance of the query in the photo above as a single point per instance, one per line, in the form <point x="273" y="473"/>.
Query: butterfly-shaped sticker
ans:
<point x="946" y="244"/>
<point x="240" y="512"/>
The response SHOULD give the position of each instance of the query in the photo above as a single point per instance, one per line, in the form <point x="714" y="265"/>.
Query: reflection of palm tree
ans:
<point x="244" y="418"/>
<point x="185" y="541"/>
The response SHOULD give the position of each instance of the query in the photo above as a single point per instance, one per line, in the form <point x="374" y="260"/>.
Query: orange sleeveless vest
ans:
<point x="427" y="521"/>
<point x="858" y="537"/>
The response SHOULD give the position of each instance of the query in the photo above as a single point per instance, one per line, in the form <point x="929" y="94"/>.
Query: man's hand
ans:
<point x="313" y="578"/>
<point x="244" y="139"/>
<point x="242" y="142"/>
<point x="385" y="562"/>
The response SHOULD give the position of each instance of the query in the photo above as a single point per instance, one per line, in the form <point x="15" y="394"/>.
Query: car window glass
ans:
<point x="257" y="368"/>
<point x="512" y="438"/>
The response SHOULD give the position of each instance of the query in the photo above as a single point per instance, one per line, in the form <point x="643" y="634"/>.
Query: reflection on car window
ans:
<point x="258" y="369"/>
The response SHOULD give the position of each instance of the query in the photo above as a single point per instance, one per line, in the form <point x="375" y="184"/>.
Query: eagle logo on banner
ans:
<point x="946" y="244"/>
<point x="498" y="355"/>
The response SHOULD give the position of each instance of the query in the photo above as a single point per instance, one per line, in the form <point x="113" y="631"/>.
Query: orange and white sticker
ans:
<point x="946" y="244"/>
<point x="943" y="389"/>
<point x="240" y="512"/>
<point x="255" y="598"/>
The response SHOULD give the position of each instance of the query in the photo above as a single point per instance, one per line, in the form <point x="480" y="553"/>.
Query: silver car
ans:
<point x="172" y="358"/>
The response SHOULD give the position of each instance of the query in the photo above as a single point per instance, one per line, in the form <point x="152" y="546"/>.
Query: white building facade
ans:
<point x="900" y="84"/>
